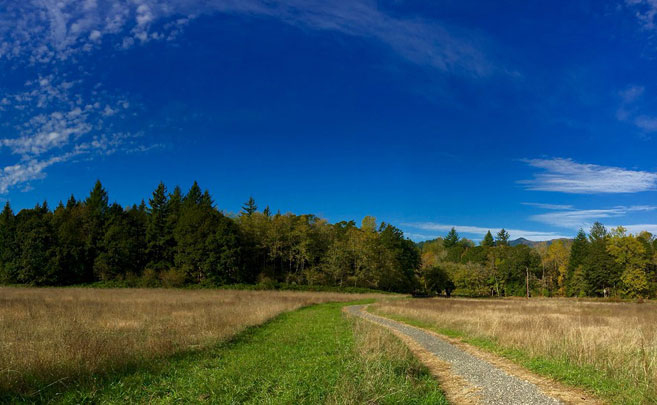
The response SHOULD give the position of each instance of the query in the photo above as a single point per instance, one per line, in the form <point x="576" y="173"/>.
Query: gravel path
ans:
<point x="494" y="386"/>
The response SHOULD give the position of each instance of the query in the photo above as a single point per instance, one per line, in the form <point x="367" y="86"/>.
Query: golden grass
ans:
<point x="62" y="334"/>
<point x="618" y="339"/>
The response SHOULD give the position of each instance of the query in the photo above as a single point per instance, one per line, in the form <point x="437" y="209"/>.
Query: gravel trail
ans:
<point x="493" y="385"/>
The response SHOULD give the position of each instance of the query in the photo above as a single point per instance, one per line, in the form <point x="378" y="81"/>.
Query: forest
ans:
<point x="177" y="239"/>
<point x="604" y="263"/>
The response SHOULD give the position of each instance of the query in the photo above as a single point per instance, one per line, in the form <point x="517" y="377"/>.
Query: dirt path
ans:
<point x="469" y="377"/>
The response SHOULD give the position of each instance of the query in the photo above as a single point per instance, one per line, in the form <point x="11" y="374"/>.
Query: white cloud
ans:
<point x="70" y="127"/>
<point x="26" y="171"/>
<point x="568" y="176"/>
<point x="575" y="219"/>
<point x="57" y="29"/>
<point x="481" y="231"/>
<point x="645" y="11"/>
<point x="549" y="206"/>
<point x="646" y="123"/>
<point x="631" y="93"/>
<point x="638" y="228"/>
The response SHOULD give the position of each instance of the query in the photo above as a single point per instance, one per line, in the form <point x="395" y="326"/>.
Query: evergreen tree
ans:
<point x="159" y="231"/>
<point x="8" y="249"/>
<point x="452" y="239"/>
<point x="96" y="207"/>
<point x="70" y="252"/>
<point x="250" y="207"/>
<point x="35" y="242"/>
<point x="578" y="255"/>
<point x="488" y="240"/>
<point x="502" y="238"/>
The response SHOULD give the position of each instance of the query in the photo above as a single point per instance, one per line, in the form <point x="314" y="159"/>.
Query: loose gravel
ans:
<point x="493" y="385"/>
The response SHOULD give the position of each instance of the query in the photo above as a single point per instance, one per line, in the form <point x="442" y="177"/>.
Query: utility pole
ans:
<point x="527" y="279"/>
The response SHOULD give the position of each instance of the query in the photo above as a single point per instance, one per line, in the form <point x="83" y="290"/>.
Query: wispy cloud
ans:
<point x="52" y="123"/>
<point x="645" y="12"/>
<point x="47" y="30"/>
<point x="481" y="231"/>
<point x="28" y="170"/>
<point x="629" y="110"/>
<point x="575" y="219"/>
<point x="568" y="176"/>
<point x="638" y="228"/>
<point x="548" y="206"/>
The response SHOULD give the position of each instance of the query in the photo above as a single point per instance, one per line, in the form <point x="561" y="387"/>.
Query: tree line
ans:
<point x="177" y="239"/>
<point x="181" y="238"/>
<point x="601" y="263"/>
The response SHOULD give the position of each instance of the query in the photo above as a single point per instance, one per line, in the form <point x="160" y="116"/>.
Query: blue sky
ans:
<point x="533" y="116"/>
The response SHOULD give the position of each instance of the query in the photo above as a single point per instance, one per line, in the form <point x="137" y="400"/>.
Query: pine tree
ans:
<point x="502" y="238"/>
<point x="159" y="233"/>
<point x="452" y="239"/>
<point x="578" y="255"/>
<point x="7" y="246"/>
<point x="488" y="240"/>
<point x="249" y="207"/>
<point x="96" y="207"/>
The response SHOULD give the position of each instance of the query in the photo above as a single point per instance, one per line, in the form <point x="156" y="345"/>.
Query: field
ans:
<point x="608" y="348"/>
<point x="60" y="337"/>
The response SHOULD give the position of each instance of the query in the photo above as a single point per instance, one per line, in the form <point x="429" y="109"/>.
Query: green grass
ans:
<point x="307" y="356"/>
<point x="589" y="378"/>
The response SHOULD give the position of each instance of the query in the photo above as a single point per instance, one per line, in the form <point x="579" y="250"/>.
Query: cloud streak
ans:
<point x="575" y="219"/>
<point x="568" y="176"/>
<point x="48" y="30"/>
<point x="481" y="231"/>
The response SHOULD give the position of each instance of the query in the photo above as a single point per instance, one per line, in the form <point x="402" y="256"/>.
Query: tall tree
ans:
<point x="578" y="254"/>
<point x="8" y="248"/>
<point x="488" y="240"/>
<point x="159" y="232"/>
<point x="452" y="239"/>
<point x="95" y="207"/>
<point x="249" y="207"/>
<point x="601" y="271"/>
<point x="630" y="254"/>
<point x="502" y="238"/>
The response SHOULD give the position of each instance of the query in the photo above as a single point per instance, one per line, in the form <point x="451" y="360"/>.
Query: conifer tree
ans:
<point x="159" y="233"/>
<point x="502" y="238"/>
<point x="7" y="245"/>
<point x="452" y="239"/>
<point x="249" y="207"/>
<point x="488" y="240"/>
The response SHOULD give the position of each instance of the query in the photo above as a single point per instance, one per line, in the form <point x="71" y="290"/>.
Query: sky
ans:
<point x="539" y="117"/>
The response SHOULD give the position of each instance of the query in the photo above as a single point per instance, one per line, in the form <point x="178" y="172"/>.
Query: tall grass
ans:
<point x="615" y="340"/>
<point x="64" y="335"/>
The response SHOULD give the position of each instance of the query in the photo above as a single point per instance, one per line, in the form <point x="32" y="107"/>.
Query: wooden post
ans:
<point x="527" y="279"/>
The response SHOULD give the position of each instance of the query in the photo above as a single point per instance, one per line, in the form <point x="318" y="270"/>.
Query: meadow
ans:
<point x="61" y="337"/>
<point x="608" y="348"/>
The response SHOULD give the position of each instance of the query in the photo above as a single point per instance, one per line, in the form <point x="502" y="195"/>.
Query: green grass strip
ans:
<point x="612" y="390"/>
<point x="306" y="356"/>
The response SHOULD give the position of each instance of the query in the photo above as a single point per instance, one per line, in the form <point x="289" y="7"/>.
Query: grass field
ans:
<point x="67" y="336"/>
<point x="607" y="348"/>
<point x="313" y="355"/>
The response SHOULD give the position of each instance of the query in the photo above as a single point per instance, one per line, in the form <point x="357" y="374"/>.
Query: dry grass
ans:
<point x="617" y="339"/>
<point x="50" y="335"/>
<point x="390" y="373"/>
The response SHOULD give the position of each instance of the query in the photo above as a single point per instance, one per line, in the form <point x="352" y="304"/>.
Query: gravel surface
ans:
<point x="494" y="385"/>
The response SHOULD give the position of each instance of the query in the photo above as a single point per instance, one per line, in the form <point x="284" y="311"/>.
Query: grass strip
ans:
<point x="309" y="356"/>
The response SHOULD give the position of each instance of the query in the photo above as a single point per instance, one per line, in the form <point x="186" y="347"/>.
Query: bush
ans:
<point x="149" y="278"/>
<point x="173" y="278"/>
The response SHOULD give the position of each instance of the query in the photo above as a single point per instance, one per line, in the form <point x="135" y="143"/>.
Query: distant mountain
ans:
<point x="531" y="243"/>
